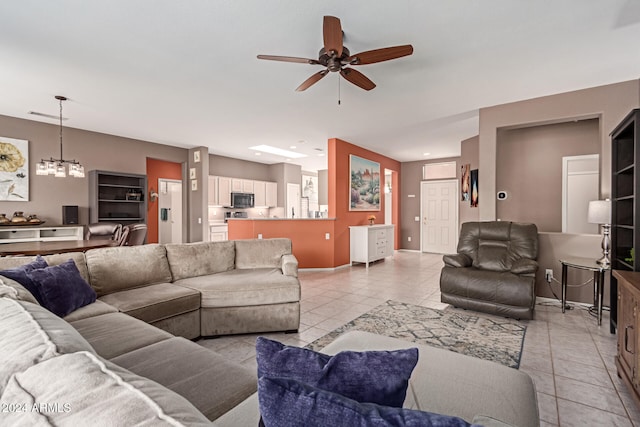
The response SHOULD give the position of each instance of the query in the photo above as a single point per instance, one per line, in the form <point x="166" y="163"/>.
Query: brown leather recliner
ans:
<point x="494" y="270"/>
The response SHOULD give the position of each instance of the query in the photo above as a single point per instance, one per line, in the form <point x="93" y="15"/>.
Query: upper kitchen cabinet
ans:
<point x="213" y="190"/>
<point x="224" y="191"/>
<point x="241" y="185"/>
<point x="271" y="194"/>
<point x="260" y="193"/>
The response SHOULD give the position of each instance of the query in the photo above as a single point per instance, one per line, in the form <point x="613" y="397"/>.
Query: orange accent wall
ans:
<point x="158" y="169"/>
<point x="339" y="178"/>
<point x="308" y="237"/>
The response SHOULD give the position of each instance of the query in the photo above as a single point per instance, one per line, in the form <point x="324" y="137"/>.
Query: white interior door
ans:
<point x="170" y="211"/>
<point x="580" y="185"/>
<point x="293" y="200"/>
<point x="439" y="216"/>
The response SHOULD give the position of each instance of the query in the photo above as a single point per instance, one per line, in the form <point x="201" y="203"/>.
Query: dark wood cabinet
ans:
<point x="625" y="212"/>
<point x="117" y="197"/>
<point x="628" y="356"/>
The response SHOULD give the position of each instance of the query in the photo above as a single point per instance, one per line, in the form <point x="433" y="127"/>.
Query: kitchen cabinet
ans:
<point x="218" y="232"/>
<point x="224" y="191"/>
<point x="627" y="356"/>
<point x="260" y="193"/>
<point x="241" y="185"/>
<point x="220" y="188"/>
<point x="370" y="243"/>
<point x="271" y="194"/>
<point x="213" y="191"/>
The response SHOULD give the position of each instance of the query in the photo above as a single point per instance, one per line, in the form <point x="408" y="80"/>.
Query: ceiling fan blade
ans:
<point x="379" y="55"/>
<point x="312" y="80"/>
<point x="288" y="59"/>
<point x="332" y="33"/>
<point x="357" y="78"/>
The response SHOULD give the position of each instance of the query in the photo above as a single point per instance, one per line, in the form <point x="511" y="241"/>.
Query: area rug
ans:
<point x="486" y="337"/>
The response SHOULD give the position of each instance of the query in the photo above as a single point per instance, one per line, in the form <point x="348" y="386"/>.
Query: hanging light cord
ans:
<point x="60" y="99"/>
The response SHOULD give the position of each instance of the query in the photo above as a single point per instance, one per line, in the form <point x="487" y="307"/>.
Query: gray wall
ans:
<point x="237" y="168"/>
<point x="530" y="169"/>
<point x="411" y="173"/>
<point x="94" y="150"/>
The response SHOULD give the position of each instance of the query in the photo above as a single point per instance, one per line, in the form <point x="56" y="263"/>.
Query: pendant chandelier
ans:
<point x="56" y="167"/>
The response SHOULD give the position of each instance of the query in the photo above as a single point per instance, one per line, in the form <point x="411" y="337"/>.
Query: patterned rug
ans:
<point x="486" y="337"/>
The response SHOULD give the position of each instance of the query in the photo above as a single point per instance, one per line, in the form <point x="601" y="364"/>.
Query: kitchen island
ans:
<point x="312" y="239"/>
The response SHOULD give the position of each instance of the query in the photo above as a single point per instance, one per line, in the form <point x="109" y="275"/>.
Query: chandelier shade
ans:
<point x="56" y="167"/>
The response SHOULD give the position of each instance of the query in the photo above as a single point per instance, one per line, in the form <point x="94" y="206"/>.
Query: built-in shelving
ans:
<point x="625" y="215"/>
<point x="117" y="197"/>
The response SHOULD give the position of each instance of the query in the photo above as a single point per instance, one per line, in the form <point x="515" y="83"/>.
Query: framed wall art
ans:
<point x="365" y="184"/>
<point x="14" y="169"/>
<point x="474" y="188"/>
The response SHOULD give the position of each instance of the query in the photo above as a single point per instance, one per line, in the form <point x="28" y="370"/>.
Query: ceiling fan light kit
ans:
<point x="335" y="57"/>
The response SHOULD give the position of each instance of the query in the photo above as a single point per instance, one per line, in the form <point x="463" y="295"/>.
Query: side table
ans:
<point x="598" y="279"/>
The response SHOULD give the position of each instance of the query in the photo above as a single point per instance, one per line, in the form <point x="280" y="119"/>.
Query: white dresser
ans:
<point x="371" y="243"/>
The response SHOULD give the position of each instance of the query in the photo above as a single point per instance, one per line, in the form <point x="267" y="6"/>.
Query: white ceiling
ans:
<point x="185" y="73"/>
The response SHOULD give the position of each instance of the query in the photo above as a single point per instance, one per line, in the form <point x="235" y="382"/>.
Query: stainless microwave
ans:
<point x="242" y="200"/>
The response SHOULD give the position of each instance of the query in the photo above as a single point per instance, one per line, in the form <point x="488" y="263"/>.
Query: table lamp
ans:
<point x="599" y="212"/>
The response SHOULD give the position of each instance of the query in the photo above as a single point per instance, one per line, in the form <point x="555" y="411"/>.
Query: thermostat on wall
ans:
<point x="502" y="195"/>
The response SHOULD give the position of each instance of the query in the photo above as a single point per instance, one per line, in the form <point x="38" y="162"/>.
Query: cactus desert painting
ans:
<point x="365" y="184"/>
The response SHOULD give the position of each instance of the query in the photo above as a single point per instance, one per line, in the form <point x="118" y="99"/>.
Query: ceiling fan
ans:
<point x="336" y="57"/>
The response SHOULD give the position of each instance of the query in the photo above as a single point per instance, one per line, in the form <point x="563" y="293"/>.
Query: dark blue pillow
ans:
<point x="380" y="377"/>
<point x="289" y="403"/>
<point x="19" y="274"/>
<point x="62" y="288"/>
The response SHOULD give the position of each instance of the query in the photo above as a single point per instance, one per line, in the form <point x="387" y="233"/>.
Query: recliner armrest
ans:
<point x="524" y="266"/>
<point x="457" y="260"/>
<point x="289" y="265"/>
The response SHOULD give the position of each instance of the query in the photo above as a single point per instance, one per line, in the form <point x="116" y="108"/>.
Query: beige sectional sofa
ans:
<point x="102" y="366"/>
<point x="123" y="347"/>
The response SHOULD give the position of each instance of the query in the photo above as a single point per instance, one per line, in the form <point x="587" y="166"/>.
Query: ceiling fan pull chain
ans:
<point x="338" y="90"/>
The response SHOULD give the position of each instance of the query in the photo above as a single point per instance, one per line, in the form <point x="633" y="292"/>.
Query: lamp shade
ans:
<point x="599" y="212"/>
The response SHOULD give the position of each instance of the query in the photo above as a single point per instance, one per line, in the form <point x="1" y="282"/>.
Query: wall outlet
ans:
<point x="548" y="275"/>
<point x="409" y="238"/>
<point x="327" y="236"/>
<point x="259" y="236"/>
<point x="416" y="219"/>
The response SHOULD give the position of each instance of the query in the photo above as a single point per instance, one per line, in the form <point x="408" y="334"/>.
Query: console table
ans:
<point x="28" y="233"/>
<point x="598" y="279"/>
<point x="370" y="243"/>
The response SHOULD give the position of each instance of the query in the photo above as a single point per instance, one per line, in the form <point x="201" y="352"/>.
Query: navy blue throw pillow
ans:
<point x="380" y="377"/>
<point x="290" y="403"/>
<point x="19" y="274"/>
<point x="62" y="288"/>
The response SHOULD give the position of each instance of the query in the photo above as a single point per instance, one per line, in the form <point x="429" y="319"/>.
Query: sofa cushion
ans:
<point x="9" y="288"/>
<point x="199" y="259"/>
<point x="261" y="253"/>
<point x="30" y="334"/>
<point x="154" y="302"/>
<point x="20" y="275"/>
<point x="94" y="309"/>
<point x="113" y="334"/>
<point x="443" y="379"/>
<point x="61" y="288"/>
<point x="247" y="287"/>
<point x="86" y="389"/>
<point x="127" y="267"/>
<point x="379" y="377"/>
<point x="212" y="383"/>
<point x="292" y="403"/>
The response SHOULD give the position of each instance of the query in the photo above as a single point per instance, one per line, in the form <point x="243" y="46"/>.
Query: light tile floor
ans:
<point x="569" y="357"/>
